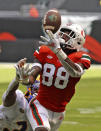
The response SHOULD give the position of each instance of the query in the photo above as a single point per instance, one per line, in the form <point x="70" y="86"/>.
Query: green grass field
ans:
<point x="83" y="113"/>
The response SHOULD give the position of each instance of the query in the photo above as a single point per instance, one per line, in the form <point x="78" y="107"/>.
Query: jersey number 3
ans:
<point x="61" y="79"/>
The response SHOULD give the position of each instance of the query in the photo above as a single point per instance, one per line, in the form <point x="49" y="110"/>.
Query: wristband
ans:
<point x="61" y="54"/>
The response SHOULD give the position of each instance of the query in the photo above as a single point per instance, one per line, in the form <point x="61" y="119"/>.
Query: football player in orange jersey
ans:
<point x="60" y="64"/>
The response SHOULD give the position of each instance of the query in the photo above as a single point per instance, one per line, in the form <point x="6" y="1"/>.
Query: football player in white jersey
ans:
<point x="14" y="105"/>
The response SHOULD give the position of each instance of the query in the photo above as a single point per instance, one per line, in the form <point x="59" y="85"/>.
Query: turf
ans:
<point x="83" y="113"/>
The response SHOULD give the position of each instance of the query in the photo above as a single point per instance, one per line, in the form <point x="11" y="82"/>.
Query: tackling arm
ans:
<point x="9" y="96"/>
<point x="22" y="74"/>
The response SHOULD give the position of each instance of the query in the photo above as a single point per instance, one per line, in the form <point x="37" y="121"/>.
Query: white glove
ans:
<point x="52" y="42"/>
<point x="23" y="72"/>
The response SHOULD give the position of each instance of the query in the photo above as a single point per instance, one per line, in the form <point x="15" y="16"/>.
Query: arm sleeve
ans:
<point x="85" y="60"/>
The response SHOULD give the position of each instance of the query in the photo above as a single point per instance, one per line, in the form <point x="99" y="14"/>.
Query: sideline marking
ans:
<point x="89" y="110"/>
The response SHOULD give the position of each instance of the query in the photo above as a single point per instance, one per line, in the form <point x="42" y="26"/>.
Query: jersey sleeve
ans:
<point x="41" y="52"/>
<point x="85" y="59"/>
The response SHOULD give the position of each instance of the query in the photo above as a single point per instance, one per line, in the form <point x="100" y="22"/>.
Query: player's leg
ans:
<point x="55" y="120"/>
<point x="38" y="116"/>
<point x="55" y="127"/>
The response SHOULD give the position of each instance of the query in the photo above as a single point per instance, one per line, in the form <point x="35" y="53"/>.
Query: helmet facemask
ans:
<point x="68" y="37"/>
<point x="73" y="40"/>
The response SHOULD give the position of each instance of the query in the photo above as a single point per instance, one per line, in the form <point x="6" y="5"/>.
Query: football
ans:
<point x="52" y="20"/>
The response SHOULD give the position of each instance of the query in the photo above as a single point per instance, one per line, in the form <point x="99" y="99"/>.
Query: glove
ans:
<point x="52" y="42"/>
<point x="19" y="69"/>
<point x="23" y="72"/>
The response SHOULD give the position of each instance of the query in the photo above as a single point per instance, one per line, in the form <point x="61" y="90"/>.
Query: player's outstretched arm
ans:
<point x="74" y="69"/>
<point x="9" y="97"/>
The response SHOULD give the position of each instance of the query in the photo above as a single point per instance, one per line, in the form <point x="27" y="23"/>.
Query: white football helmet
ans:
<point x="75" y="36"/>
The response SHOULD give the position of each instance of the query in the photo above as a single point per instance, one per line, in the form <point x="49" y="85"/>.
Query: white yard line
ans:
<point x="79" y="124"/>
<point x="70" y="122"/>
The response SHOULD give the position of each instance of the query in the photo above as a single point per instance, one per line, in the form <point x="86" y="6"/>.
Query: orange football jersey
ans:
<point x="56" y="85"/>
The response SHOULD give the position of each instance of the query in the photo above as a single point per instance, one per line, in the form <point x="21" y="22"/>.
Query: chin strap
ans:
<point x="75" y="70"/>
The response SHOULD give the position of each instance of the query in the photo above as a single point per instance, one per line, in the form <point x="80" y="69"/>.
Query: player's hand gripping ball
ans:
<point x="52" y="20"/>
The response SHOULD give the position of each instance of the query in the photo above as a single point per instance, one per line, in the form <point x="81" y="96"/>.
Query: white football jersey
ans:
<point x="13" y="118"/>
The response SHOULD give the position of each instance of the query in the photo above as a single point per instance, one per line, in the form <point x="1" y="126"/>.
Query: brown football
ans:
<point x="52" y="20"/>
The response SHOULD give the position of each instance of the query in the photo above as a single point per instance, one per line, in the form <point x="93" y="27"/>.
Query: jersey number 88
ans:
<point x="61" y="79"/>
